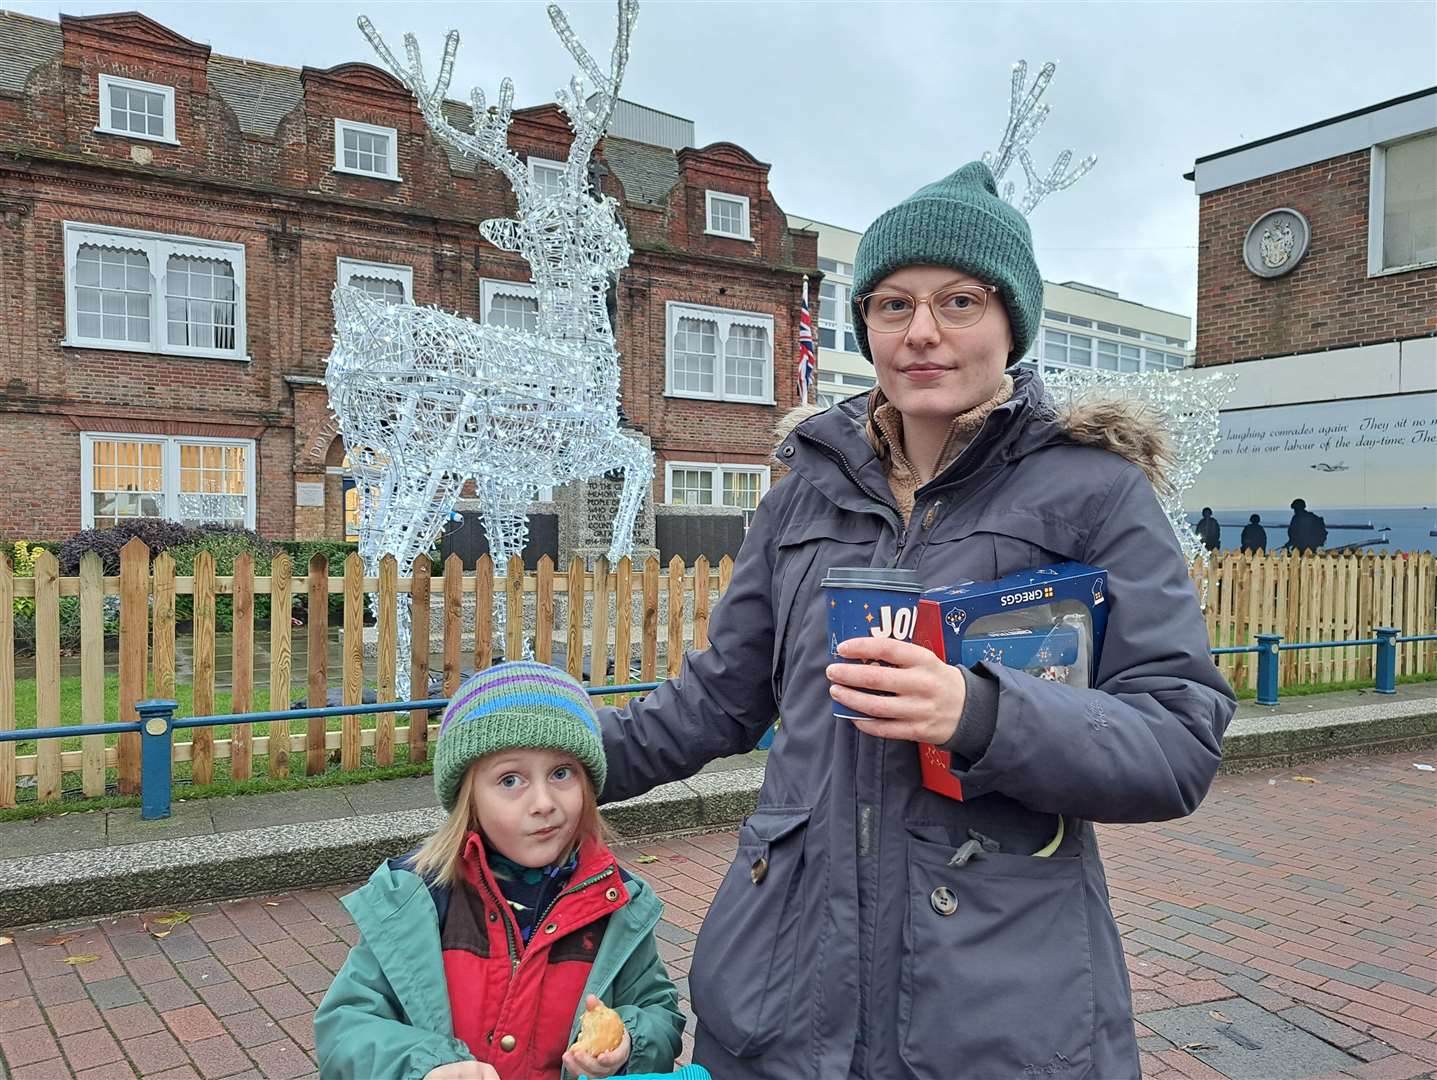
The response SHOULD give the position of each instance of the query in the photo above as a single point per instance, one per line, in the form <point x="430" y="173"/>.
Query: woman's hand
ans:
<point x="581" y="1063"/>
<point x="463" y="1070"/>
<point x="928" y="693"/>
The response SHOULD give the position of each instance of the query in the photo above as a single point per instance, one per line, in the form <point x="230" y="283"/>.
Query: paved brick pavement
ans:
<point x="1309" y="902"/>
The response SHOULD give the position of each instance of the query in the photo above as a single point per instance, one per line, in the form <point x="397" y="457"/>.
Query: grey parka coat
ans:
<point x="836" y="961"/>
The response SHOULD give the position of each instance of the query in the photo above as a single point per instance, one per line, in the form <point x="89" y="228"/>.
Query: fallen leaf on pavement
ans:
<point x="646" y="858"/>
<point x="6" y="940"/>
<point x="1198" y="1046"/>
<point x="1306" y="780"/>
<point x="60" y="939"/>
<point x="174" y="918"/>
<point x="1219" y="1017"/>
<point x="82" y="958"/>
<point x="271" y="903"/>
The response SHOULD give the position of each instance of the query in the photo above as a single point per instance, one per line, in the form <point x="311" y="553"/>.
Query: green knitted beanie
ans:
<point x="959" y="222"/>
<point x="521" y="704"/>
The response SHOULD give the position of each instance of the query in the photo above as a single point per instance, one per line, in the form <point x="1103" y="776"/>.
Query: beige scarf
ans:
<point x="885" y="433"/>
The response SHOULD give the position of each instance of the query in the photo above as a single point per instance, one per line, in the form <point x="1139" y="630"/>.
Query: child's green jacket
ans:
<point x="387" y="1013"/>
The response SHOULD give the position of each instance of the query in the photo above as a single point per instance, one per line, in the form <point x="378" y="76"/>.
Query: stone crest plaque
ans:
<point x="1276" y="242"/>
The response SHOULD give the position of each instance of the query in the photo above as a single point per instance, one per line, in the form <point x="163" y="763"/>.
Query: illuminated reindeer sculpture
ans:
<point x="428" y="400"/>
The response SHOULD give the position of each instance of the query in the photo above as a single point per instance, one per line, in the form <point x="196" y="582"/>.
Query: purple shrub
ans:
<point x="106" y="543"/>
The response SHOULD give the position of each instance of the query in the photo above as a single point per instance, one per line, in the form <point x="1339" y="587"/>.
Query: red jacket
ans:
<point x="513" y="1004"/>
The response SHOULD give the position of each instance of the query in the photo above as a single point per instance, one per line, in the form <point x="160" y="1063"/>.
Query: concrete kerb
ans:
<point x="215" y="866"/>
<point x="1259" y="742"/>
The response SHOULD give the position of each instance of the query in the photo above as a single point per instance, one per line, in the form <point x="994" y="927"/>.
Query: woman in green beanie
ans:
<point x="870" y="928"/>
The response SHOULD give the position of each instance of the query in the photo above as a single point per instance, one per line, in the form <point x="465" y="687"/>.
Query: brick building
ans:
<point x="1317" y="283"/>
<point x="172" y="222"/>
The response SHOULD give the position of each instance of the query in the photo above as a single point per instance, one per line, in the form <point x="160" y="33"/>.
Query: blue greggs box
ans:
<point x="1048" y="622"/>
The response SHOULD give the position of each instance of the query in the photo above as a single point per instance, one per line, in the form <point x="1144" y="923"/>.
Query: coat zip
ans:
<point x="514" y="957"/>
<point x="898" y="551"/>
<point x="503" y="908"/>
<point x="571" y="890"/>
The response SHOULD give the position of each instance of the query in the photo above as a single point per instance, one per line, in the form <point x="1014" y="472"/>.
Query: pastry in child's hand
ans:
<point x="600" y="1030"/>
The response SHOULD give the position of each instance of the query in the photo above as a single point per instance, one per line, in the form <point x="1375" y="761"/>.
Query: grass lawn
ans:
<point x="223" y="785"/>
<point x="1305" y="689"/>
<point x="70" y="712"/>
<point x="70" y="702"/>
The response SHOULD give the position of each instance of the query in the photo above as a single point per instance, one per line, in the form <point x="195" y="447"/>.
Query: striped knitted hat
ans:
<point x="519" y="704"/>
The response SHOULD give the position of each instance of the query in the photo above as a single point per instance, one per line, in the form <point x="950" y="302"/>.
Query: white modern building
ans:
<point x="1086" y="326"/>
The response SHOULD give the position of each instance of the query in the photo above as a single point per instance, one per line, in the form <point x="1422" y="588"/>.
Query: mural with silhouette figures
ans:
<point x="1357" y="474"/>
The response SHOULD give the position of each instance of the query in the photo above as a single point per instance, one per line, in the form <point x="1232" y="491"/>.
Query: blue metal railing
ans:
<point x="1270" y="647"/>
<point x="157" y="722"/>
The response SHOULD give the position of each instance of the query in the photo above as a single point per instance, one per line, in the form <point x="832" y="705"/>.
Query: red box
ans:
<point x="935" y="764"/>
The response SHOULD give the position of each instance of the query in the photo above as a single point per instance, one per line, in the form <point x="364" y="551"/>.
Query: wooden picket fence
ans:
<point x="613" y="623"/>
<point x="147" y="634"/>
<point x="1336" y="597"/>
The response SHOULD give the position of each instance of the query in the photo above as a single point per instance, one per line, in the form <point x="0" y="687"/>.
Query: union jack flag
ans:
<point x="807" y="354"/>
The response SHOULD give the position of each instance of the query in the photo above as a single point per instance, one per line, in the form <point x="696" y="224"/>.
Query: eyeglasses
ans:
<point x="953" y="307"/>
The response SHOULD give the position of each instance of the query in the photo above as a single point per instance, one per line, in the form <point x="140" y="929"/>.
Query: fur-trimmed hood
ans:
<point x="1107" y="420"/>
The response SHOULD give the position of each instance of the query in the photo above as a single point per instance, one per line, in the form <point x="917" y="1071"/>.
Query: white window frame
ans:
<point x="368" y="129"/>
<point x="107" y="82"/>
<point x="158" y="247"/>
<point x="492" y="287"/>
<point x="742" y="200"/>
<point x="548" y="163"/>
<point x="170" y="464"/>
<point x="725" y="318"/>
<point x="716" y="469"/>
<point x="1377" y="211"/>
<point x="844" y="328"/>
<point x="344" y="269"/>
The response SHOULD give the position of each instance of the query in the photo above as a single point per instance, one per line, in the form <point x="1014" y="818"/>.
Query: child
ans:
<point x="480" y="952"/>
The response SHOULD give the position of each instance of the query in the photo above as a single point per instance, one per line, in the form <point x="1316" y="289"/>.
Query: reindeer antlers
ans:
<point x="589" y="122"/>
<point x="1025" y="118"/>
<point x="489" y="142"/>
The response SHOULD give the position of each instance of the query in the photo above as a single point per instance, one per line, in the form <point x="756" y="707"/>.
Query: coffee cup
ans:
<point x="869" y="601"/>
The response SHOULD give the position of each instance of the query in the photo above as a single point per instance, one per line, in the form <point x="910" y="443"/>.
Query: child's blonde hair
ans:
<point x="440" y="858"/>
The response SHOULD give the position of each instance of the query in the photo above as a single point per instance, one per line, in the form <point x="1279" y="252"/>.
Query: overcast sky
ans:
<point x="855" y="105"/>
